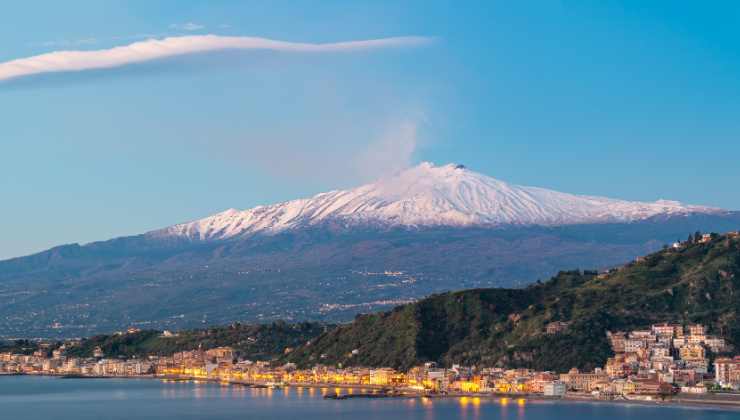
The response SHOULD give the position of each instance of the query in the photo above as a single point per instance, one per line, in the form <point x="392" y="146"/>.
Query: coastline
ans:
<point x="728" y="401"/>
<point x="676" y="401"/>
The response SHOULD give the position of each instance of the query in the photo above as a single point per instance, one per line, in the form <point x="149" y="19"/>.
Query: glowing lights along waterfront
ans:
<point x="662" y="362"/>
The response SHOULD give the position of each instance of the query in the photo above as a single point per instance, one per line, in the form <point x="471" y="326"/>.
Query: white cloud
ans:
<point x="153" y="49"/>
<point x="189" y="26"/>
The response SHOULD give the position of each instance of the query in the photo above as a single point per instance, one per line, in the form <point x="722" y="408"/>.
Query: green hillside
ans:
<point x="507" y="327"/>
<point x="251" y="341"/>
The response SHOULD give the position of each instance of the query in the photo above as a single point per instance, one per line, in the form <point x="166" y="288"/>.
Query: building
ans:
<point x="538" y="380"/>
<point x="685" y="377"/>
<point x="697" y="329"/>
<point x="617" y="366"/>
<point x="642" y="335"/>
<point x="679" y="342"/>
<point x="584" y="381"/>
<point x="727" y="372"/>
<point x="381" y="376"/>
<point x="554" y="389"/>
<point x="692" y="352"/>
<point x="660" y="352"/>
<point x="664" y="329"/>
<point x="644" y="386"/>
<point x="437" y="380"/>
<point x="696" y="389"/>
<point x="697" y="339"/>
<point x="633" y="345"/>
<point x="556" y="327"/>
<point x="220" y="354"/>
<point x="716" y="344"/>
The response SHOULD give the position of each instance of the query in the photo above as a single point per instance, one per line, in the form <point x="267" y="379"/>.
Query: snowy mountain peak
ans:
<point x="430" y="195"/>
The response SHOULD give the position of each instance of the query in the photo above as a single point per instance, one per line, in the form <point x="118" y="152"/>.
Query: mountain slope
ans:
<point x="429" y="195"/>
<point x="254" y="342"/>
<point x="699" y="283"/>
<point x="425" y="230"/>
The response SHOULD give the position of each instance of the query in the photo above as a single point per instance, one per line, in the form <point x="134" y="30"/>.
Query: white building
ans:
<point x="554" y="389"/>
<point x="632" y="345"/>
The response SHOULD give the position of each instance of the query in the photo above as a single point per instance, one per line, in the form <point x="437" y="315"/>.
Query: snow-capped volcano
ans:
<point x="429" y="195"/>
<point x="345" y="240"/>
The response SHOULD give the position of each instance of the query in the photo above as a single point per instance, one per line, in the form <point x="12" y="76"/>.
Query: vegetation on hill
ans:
<point x="251" y="341"/>
<point x="698" y="282"/>
<point x="21" y="346"/>
<point x="318" y="273"/>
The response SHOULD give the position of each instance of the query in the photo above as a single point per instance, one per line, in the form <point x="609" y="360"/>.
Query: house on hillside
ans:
<point x="556" y="327"/>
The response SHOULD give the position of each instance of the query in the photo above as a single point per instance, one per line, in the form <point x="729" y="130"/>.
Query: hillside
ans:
<point x="251" y="341"/>
<point x="324" y="273"/>
<point x="697" y="283"/>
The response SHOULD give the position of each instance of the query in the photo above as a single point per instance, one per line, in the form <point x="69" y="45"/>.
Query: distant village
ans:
<point x="663" y="360"/>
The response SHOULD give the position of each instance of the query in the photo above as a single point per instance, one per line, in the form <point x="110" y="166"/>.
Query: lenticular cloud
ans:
<point x="153" y="49"/>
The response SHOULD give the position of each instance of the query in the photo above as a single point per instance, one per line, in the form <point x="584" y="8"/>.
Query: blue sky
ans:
<point x="634" y="100"/>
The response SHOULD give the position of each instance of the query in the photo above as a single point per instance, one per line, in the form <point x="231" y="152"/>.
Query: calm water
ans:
<point x="61" y="399"/>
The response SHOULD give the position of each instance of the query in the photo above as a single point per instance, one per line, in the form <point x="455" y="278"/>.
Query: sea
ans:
<point x="47" y="398"/>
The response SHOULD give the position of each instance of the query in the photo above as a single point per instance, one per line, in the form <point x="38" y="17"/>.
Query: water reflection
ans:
<point x="476" y="407"/>
<point x="198" y="391"/>
<point x="467" y="407"/>
<point x="428" y="408"/>
<point x="238" y="391"/>
<point x="180" y="400"/>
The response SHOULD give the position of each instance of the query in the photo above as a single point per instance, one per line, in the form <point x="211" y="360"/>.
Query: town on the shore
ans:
<point x="660" y="361"/>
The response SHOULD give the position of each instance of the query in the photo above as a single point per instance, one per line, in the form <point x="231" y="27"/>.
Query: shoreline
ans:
<point x="728" y="402"/>
<point x="672" y="402"/>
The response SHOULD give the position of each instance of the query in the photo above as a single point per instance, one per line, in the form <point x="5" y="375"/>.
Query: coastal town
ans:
<point x="652" y="364"/>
